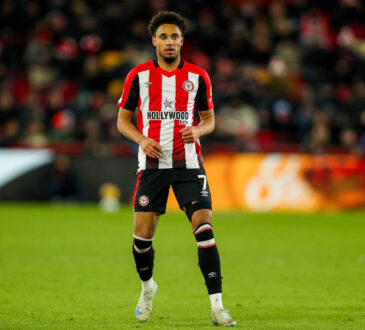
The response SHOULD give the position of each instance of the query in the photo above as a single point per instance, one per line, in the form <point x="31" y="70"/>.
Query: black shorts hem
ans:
<point x="192" y="199"/>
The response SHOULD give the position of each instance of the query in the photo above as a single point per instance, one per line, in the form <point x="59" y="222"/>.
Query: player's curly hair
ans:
<point x="167" y="17"/>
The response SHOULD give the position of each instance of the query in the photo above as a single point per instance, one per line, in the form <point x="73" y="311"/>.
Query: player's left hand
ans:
<point x="190" y="134"/>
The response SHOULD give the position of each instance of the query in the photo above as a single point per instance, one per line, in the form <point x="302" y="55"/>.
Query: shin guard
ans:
<point x="143" y="255"/>
<point x="208" y="256"/>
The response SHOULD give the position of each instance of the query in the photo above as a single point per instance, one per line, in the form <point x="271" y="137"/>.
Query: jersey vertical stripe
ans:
<point x="140" y="128"/>
<point x="198" y="150"/>
<point x="181" y="105"/>
<point x="191" y="157"/>
<point x="139" y="117"/>
<point x="136" y="188"/>
<point x="167" y="125"/>
<point x="155" y="98"/>
<point x="144" y="96"/>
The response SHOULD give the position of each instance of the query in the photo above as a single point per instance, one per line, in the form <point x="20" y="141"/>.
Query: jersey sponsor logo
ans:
<point x="147" y="84"/>
<point x="182" y="116"/>
<point x="188" y="86"/>
<point x="143" y="200"/>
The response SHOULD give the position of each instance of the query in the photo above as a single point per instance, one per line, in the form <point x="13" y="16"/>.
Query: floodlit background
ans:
<point x="286" y="164"/>
<point x="288" y="77"/>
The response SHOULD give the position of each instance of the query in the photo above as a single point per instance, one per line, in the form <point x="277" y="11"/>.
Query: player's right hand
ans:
<point x="151" y="147"/>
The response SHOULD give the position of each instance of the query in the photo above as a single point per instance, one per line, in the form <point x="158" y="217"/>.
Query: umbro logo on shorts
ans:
<point x="143" y="200"/>
<point x="205" y="193"/>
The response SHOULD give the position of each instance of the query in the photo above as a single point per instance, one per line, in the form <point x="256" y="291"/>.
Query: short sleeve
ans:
<point x="204" y="96"/>
<point x="130" y="95"/>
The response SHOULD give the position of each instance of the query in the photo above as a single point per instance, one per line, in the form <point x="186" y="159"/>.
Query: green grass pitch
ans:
<point x="71" y="267"/>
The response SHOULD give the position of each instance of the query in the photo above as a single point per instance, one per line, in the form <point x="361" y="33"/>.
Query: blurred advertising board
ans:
<point x="31" y="174"/>
<point x="279" y="182"/>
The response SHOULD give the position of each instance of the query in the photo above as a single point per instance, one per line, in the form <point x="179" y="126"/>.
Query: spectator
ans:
<point x="238" y="123"/>
<point x="64" y="185"/>
<point x="35" y="136"/>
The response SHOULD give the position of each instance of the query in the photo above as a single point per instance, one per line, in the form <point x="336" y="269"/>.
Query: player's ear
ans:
<point x="182" y="40"/>
<point x="154" y="41"/>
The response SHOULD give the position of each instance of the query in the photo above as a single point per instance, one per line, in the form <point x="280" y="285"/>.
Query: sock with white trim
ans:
<point x="216" y="301"/>
<point x="148" y="285"/>
<point x="143" y="256"/>
<point x="208" y="256"/>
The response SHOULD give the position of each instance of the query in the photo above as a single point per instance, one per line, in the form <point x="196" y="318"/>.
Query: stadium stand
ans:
<point x="287" y="75"/>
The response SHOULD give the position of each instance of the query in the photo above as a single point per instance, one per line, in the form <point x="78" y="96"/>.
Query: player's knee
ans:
<point x="201" y="216"/>
<point x="144" y="232"/>
<point x="204" y="235"/>
<point x="191" y="208"/>
<point x="142" y="245"/>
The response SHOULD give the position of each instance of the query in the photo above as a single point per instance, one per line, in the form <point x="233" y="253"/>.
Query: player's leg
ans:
<point x="194" y="198"/>
<point x="149" y="202"/>
<point x="144" y="229"/>
<point x="209" y="263"/>
<point x="208" y="255"/>
<point x="192" y="192"/>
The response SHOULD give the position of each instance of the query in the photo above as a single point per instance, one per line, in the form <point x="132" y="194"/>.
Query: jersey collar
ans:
<point x="168" y="73"/>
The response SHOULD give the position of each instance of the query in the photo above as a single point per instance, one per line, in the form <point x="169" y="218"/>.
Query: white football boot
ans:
<point x="222" y="318"/>
<point x="144" y="306"/>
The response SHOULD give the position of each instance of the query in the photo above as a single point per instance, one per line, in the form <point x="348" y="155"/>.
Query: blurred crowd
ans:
<point x="284" y="72"/>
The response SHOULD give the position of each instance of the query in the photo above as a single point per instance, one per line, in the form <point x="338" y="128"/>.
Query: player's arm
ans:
<point x="150" y="147"/>
<point x="192" y="133"/>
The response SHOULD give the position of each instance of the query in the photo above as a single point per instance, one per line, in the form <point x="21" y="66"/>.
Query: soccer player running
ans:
<point x="175" y="108"/>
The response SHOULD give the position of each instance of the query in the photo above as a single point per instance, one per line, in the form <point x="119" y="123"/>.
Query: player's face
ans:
<point x="168" y="41"/>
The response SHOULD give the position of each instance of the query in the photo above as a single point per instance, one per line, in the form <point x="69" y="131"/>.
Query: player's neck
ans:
<point x="168" y="66"/>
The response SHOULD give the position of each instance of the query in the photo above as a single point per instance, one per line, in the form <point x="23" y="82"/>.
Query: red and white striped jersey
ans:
<point x="167" y="102"/>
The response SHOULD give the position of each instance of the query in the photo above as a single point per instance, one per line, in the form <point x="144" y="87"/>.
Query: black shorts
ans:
<point x="152" y="188"/>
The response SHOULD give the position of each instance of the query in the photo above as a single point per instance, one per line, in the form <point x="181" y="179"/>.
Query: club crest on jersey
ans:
<point x="143" y="200"/>
<point x="188" y="85"/>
